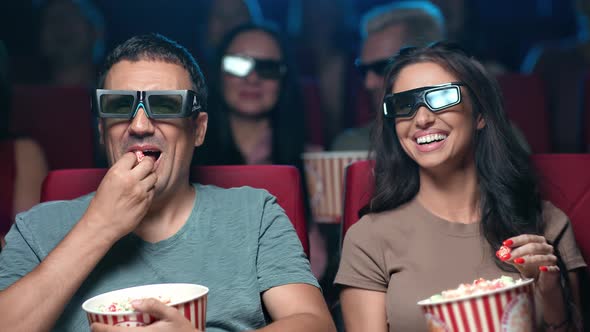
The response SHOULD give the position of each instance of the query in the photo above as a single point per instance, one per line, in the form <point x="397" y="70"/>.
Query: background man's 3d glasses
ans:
<point x="436" y="98"/>
<point x="378" y="67"/>
<point x="242" y="66"/>
<point x="158" y="104"/>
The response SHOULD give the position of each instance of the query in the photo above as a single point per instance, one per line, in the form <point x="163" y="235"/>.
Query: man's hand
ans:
<point x="170" y="319"/>
<point x="123" y="197"/>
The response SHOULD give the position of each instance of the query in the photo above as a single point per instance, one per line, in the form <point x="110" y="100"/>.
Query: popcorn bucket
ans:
<point x="189" y="299"/>
<point x="510" y="309"/>
<point x="324" y="174"/>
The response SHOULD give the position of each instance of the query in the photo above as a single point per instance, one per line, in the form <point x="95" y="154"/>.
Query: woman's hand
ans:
<point x="170" y="319"/>
<point x="534" y="258"/>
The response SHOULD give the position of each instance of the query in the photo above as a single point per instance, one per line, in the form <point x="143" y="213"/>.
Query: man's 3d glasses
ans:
<point x="242" y="66"/>
<point x="436" y="98"/>
<point x="158" y="104"/>
<point x="378" y="67"/>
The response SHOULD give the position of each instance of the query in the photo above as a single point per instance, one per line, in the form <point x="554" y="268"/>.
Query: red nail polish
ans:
<point x="543" y="268"/>
<point x="508" y="243"/>
<point x="519" y="260"/>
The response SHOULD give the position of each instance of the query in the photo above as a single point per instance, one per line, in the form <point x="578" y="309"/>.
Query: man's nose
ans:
<point x="141" y="125"/>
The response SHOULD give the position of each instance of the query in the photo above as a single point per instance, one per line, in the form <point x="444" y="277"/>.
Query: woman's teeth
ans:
<point x="430" y="138"/>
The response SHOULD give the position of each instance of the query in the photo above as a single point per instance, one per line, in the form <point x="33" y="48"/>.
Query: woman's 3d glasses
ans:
<point x="378" y="67"/>
<point x="242" y="66"/>
<point x="436" y="98"/>
<point x="158" y="104"/>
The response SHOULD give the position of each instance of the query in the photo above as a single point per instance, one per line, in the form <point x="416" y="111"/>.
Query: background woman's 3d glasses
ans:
<point x="435" y="98"/>
<point x="378" y="67"/>
<point x="242" y="66"/>
<point x="158" y="104"/>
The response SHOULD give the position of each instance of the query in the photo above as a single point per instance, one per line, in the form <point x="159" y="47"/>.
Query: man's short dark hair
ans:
<point x="156" y="47"/>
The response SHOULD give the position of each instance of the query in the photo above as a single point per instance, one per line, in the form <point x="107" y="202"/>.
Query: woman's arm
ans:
<point x="31" y="169"/>
<point x="554" y="308"/>
<point x="363" y="310"/>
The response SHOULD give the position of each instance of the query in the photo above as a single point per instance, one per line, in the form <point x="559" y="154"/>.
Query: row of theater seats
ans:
<point x="60" y="117"/>
<point x="564" y="181"/>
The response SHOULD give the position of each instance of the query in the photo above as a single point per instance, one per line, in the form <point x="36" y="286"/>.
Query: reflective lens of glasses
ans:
<point x="117" y="104"/>
<point x="242" y="66"/>
<point x="237" y="65"/>
<point x="269" y="69"/>
<point x="165" y="104"/>
<point x="403" y="105"/>
<point x="442" y="98"/>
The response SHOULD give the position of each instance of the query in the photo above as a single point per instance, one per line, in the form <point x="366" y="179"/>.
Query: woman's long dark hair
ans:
<point x="510" y="201"/>
<point x="287" y="118"/>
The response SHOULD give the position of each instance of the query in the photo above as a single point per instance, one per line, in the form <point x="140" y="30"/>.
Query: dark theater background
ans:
<point x="506" y="35"/>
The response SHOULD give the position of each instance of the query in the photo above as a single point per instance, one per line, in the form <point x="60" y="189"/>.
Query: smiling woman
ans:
<point x="452" y="185"/>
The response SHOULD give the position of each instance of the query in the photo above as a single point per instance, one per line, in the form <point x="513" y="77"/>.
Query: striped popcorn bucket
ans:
<point x="189" y="299"/>
<point x="324" y="175"/>
<point x="510" y="309"/>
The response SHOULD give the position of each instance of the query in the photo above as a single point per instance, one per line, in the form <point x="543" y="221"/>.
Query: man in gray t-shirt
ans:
<point x="147" y="224"/>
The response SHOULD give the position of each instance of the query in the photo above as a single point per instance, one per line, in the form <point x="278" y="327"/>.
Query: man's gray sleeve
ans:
<point x="280" y="259"/>
<point x="17" y="258"/>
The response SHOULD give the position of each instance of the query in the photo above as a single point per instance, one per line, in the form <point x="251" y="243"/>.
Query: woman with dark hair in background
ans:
<point x="23" y="165"/>
<point x="452" y="186"/>
<point x="255" y="109"/>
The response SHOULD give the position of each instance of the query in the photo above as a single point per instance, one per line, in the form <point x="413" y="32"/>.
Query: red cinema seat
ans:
<point x="284" y="182"/>
<point x="527" y="107"/>
<point x="565" y="181"/>
<point x="59" y="119"/>
<point x="586" y="112"/>
<point x="358" y="190"/>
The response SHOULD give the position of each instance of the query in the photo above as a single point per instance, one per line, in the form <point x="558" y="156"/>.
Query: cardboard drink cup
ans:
<point x="324" y="175"/>
<point x="509" y="309"/>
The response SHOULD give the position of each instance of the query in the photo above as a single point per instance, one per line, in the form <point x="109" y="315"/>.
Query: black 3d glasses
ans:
<point x="436" y="98"/>
<point x="378" y="67"/>
<point x="158" y="104"/>
<point x="242" y="66"/>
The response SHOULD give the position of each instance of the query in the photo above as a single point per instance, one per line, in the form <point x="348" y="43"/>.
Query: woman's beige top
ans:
<point x="411" y="254"/>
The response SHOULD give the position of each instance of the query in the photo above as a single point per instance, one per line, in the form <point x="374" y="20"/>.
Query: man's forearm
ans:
<point x="35" y="302"/>
<point x="302" y="322"/>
